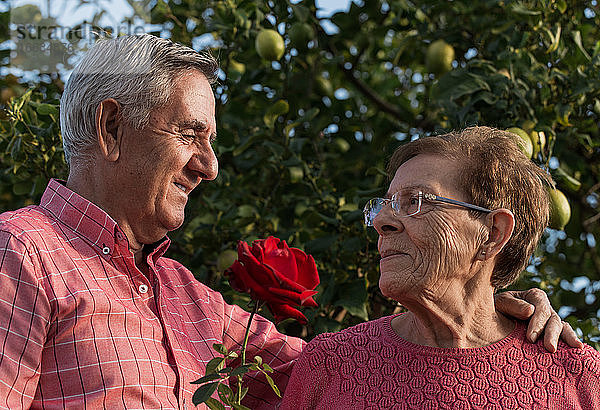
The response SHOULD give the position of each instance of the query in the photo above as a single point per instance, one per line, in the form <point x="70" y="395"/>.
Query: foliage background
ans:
<point x="303" y="141"/>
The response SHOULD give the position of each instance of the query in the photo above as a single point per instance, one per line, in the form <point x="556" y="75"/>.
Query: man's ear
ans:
<point x="109" y="129"/>
<point x="500" y="223"/>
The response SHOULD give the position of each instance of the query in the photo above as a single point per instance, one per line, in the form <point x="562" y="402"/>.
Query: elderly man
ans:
<point x="92" y="313"/>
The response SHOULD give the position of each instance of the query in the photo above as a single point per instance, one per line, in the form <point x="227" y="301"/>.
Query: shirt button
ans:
<point x="106" y="250"/>
<point x="143" y="288"/>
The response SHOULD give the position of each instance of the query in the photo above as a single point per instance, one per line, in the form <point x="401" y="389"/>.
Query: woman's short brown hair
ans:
<point x="494" y="174"/>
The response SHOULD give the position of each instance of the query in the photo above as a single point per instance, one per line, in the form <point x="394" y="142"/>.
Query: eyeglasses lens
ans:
<point x="372" y="208"/>
<point x="405" y="204"/>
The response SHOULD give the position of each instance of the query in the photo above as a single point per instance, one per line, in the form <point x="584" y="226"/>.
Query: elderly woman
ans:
<point x="462" y="216"/>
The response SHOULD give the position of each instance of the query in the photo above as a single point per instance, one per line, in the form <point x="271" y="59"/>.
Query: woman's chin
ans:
<point x="394" y="289"/>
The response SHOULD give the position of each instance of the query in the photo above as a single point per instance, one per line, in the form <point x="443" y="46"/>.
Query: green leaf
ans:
<point x="457" y="84"/>
<point x="240" y="371"/>
<point x="310" y="114"/>
<point x="562" y="114"/>
<point x="353" y="298"/>
<point x="520" y="8"/>
<point x="22" y="188"/>
<point x="214" y="404"/>
<point x="220" y="349"/>
<point x="279" y="108"/>
<point x="203" y="392"/>
<point x="46" y="109"/>
<point x="240" y="406"/>
<point x="320" y="245"/>
<point x="244" y="146"/>
<point x="272" y="384"/>
<point x="246" y="211"/>
<point x="225" y="393"/>
<point x="214" y="365"/>
<point x="328" y="219"/>
<point x="287" y="130"/>
<point x="555" y="39"/>
<point x="597" y="106"/>
<point x="301" y="12"/>
<point x="561" y="5"/>
<point x="267" y="368"/>
<point x="208" y="378"/>
<point x="18" y="103"/>
<point x="565" y="180"/>
<point x="16" y="147"/>
<point x="576" y="34"/>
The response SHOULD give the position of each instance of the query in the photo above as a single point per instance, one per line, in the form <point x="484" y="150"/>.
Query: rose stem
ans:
<point x="244" y="345"/>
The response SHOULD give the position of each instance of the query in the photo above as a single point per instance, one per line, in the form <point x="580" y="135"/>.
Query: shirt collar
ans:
<point x="88" y="220"/>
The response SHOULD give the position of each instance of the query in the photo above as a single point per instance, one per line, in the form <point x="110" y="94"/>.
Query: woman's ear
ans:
<point x="500" y="223"/>
<point x="109" y="129"/>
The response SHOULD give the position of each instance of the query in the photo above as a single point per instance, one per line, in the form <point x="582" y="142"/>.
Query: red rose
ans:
<point x="274" y="273"/>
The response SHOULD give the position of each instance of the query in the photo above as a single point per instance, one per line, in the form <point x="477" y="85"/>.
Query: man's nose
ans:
<point x="205" y="162"/>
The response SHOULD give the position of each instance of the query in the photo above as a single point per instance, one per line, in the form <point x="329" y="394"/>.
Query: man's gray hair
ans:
<point x="137" y="71"/>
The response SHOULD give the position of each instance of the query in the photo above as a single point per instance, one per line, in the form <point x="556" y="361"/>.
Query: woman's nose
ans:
<point x="386" y="222"/>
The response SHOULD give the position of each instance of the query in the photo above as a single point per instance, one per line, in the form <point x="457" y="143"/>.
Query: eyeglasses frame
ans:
<point x="429" y="197"/>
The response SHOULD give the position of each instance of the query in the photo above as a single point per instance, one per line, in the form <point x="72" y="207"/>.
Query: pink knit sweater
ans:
<point x="369" y="367"/>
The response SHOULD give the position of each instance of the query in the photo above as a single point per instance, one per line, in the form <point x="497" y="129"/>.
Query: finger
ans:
<point x="512" y="304"/>
<point x="554" y="328"/>
<point x="569" y="336"/>
<point x="542" y="313"/>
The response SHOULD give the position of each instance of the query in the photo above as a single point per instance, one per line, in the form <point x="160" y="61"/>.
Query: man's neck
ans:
<point x="84" y="185"/>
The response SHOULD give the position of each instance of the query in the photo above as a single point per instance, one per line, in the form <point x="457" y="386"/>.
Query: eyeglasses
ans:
<point x="405" y="204"/>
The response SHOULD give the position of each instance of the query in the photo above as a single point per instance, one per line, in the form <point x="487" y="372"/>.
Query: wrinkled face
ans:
<point x="160" y="165"/>
<point x="425" y="253"/>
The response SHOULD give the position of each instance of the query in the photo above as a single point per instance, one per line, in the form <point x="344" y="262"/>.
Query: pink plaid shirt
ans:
<point x="81" y="326"/>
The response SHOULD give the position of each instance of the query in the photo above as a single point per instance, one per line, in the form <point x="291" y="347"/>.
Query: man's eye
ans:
<point x="186" y="137"/>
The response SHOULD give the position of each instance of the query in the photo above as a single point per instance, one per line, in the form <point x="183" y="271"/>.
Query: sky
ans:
<point x="29" y="52"/>
<point x="70" y="14"/>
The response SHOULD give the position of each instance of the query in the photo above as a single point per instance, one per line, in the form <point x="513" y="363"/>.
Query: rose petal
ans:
<point x="262" y="273"/>
<point x="256" y="290"/>
<point x="307" y="269"/>
<point x="242" y="248"/>
<point x="258" y="249"/>
<point x="241" y="280"/>
<point x="299" y="299"/>
<point x="291" y="298"/>
<point x="307" y="300"/>
<point x="270" y="244"/>
<point x="245" y="254"/>
<point x="235" y="274"/>
<point x="286" y="283"/>
<point x="281" y="259"/>
<point x="283" y="311"/>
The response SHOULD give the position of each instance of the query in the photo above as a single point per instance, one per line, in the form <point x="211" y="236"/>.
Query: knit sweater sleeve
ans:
<point x="307" y="385"/>
<point x="588" y="386"/>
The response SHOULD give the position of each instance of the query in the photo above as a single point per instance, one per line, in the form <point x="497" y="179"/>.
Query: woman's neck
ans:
<point x="460" y="316"/>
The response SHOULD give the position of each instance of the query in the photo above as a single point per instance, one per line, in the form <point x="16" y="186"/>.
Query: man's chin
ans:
<point x="174" y="224"/>
<point x="173" y="221"/>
